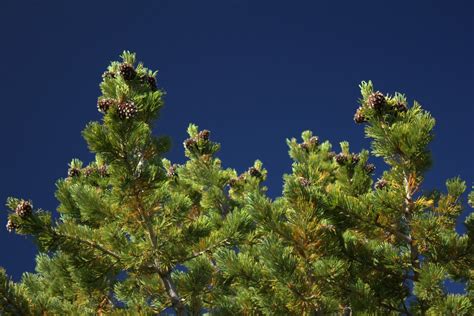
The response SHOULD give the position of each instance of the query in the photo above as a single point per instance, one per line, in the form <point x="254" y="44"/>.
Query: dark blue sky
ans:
<point x="253" y="72"/>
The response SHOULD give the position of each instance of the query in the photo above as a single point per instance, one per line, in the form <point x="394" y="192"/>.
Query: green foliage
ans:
<point x="140" y="235"/>
<point x="13" y="299"/>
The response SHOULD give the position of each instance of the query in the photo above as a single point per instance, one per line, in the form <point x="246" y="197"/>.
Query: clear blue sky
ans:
<point x="253" y="72"/>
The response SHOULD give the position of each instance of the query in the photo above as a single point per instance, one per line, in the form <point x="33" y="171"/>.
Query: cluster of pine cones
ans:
<point x="88" y="171"/>
<point x="23" y="210"/>
<point x="310" y="144"/>
<point x="252" y="172"/>
<point x="125" y="109"/>
<point x="192" y="142"/>
<point x="351" y="159"/>
<point x="128" y="73"/>
<point x="378" y="102"/>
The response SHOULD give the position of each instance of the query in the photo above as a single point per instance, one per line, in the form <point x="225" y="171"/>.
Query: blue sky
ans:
<point x="252" y="72"/>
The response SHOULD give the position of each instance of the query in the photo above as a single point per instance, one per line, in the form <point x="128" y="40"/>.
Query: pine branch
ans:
<point x="395" y="232"/>
<point x="376" y="267"/>
<point x="199" y="253"/>
<point x="176" y="300"/>
<point x="391" y="308"/>
<point x="10" y="299"/>
<point x="92" y="244"/>
<point x="409" y="190"/>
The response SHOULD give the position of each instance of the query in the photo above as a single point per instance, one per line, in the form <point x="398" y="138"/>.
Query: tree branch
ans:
<point x="93" y="245"/>
<point x="391" y="308"/>
<point x="199" y="253"/>
<point x="177" y="302"/>
<point x="408" y="214"/>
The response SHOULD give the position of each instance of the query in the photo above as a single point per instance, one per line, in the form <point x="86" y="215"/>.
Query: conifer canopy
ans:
<point x="137" y="234"/>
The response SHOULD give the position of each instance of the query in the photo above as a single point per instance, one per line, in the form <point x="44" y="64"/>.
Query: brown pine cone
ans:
<point x="127" y="110"/>
<point x="341" y="158"/>
<point x="381" y="183"/>
<point x="304" y="182"/>
<point x="304" y="146"/>
<point x="314" y="141"/>
<point x="204" y="134"/>
<point x="359" y="118"/>
<point x="103" y="171"/>
<point x="151" y="82"/>
<point x="108" y="74"/>
<point x="11" y="226"/>
<point x="355" y="158"/>
<point x="376" y="100"/>
<point x="127" y="71"/>
<point x="254" y="172"/>
<point x="233" y="182"/>
<point x="89" y="171"/>
<point x="24" y="208"/>
<point x="189" y="143"/>
<point x="400" y="107"/>
<point x="171" y="172"/>
<point x="370" y="168"/>
<point x="74" y="172"/>
<point x="103" y="105"/>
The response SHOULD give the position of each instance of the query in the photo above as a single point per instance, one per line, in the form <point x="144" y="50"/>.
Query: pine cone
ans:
<point x="108" y="74"/>
<point x="171" y="172"/>
<point x="127" y="110"/>
<point x="400" y="107"/>
<point x="74" y="172"/>
<point x="304" y="146"/>
<point x="304" y="182"/>
<point x="23" y="209"/>
<point x="376" y="101"/>
<point x="254" y="172"/>
<point x="127" y="71"/>
<point x="341" y="158"/>
<point x="381" y="183"/>
<point x="103" y="105"/>
<point x="359" y="118"/>
<point x="314" y="141"/>
<point x="355" y="158"/>
<point x="88" y="171"/>
<point x="311" y="143"/>
<point x="151" y="82"/>
<point x="204" y="134"/>
<point x="103" y="171"/>
<point x="11" y="226"/>
<point x="233" y="182"/>
<point x="189" y="143"/>
<point x="370" y="168"/>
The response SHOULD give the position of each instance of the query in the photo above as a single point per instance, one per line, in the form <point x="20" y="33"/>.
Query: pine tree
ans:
<point x="138" y="234"/>
<point x="334" y="244"/>
<point x="129" y="238"/>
